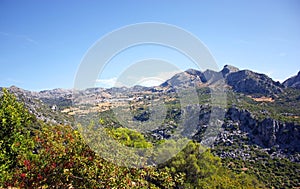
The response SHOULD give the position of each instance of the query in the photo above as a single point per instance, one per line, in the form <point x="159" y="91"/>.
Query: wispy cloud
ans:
<point x="20" y="36"/>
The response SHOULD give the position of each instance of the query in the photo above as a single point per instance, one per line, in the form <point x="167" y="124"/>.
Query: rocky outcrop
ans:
<point x="293" y="82"/>
<point x="46" y="110"/>
<point x="189" y="78"/>
<point x="228" y="69"/>
<point x="242" y="130"/>
<point x="267" y="133"/>
<point x="252" y="83"/>
<point x="242" y="81"/>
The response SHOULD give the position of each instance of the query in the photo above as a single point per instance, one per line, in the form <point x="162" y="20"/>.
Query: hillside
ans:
<point x="293" y="82"/>
<point x="242" y="81"/>
<point x="254" y="131"/>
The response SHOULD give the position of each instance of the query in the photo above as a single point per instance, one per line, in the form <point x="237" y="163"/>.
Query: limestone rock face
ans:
<point x="229" y="69"/>
<point x="268" y="132"/>
<point x="249" y="82"/>
<point x="293" y="82"/>
<point x="242" y="81"/>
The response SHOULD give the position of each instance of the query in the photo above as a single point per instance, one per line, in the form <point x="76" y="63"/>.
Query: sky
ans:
<point x="43" y="43"/>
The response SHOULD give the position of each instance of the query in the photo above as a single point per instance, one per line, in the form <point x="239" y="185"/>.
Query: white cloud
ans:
<point x="131" y="80"/>
<point x="149" y="81"/>
<point x="107" y="83"/>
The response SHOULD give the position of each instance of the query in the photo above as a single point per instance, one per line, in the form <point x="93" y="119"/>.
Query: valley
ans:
<point x="253" y="126"/>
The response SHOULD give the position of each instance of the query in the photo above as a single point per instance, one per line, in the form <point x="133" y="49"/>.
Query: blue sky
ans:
<point x="43" y="42"/>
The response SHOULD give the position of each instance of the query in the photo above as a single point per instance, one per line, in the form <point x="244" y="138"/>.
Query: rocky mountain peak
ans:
<point x="249" y="82"/>
<point x="242" y="81"/>
<point x="193" y="72"/>
<point x="15" y="88"/>
<point x="211" y="76"/>
<point x="228" y="69"/>
<point x="18" y="91"/>
<point x="293" y="82"/>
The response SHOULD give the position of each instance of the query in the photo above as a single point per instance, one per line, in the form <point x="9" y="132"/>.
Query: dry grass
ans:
<point x="263" y="99"/>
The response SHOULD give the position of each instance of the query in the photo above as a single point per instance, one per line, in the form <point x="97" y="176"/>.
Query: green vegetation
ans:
<point x="274" y="172"/>
<point x="129" y="137"/>
<point x="15" y="140"/>
<point x="36" y="155"/>
<point x="285" y="107"/>
<point x="203" y="170"/>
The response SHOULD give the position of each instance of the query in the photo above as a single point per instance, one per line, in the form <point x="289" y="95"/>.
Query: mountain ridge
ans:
<point x="257" y="86"/>
<point x="293" y="82"/>
<point x="260" y="125"/>
<point x="244" y="81"/>
<point x="190" y="75"/>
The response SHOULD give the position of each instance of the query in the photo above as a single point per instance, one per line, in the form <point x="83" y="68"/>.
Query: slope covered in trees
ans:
<point x="36" y="155"/>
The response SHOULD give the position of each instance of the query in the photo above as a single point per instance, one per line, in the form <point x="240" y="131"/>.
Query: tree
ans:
<point x="56" y="156"/>
<point x="204" y="170"/>
<point x="15" y="139"/>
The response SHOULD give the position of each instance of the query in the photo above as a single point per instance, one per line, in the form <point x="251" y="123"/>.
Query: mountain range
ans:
<point x="243" y="81"/>
<point x="260" y="126"/>
<point x="230" y="78"/>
